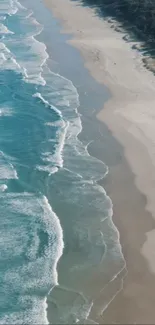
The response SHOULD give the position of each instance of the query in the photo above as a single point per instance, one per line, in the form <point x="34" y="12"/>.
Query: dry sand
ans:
<point x="130" y="115"/>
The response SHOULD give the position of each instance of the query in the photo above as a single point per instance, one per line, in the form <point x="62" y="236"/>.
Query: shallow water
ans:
<point x="49" y="196"/>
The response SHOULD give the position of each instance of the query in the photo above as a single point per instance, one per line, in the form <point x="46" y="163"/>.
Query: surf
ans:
<point x="48" y="177"/>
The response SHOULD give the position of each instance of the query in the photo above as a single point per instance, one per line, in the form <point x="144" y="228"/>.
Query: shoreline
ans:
<point x="126" y="115"/>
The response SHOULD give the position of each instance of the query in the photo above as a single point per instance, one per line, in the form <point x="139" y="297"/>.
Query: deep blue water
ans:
<point x="49" y="197"/>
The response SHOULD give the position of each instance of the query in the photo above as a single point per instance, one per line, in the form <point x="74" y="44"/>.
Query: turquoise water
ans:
<point x="49" y="197"/>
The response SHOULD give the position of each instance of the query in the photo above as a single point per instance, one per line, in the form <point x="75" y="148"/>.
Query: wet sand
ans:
<point x="130" y="115"/>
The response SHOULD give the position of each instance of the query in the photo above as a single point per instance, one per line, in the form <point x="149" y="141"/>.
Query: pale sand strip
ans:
<point x="130" y="115"/>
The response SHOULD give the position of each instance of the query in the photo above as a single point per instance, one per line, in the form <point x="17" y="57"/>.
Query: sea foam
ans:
<point x="36" y="234"/>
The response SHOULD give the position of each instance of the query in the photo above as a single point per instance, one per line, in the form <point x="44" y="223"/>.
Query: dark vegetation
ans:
<point x="137" y="16"/>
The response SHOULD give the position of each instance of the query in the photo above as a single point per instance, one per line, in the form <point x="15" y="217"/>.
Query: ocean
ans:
<point x="52" y="208"/>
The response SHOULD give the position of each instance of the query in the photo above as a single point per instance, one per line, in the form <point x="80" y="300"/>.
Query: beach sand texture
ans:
<point x="130" y="115"/>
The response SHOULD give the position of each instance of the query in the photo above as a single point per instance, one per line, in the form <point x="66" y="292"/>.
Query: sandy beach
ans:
<point x="130" y="115"/>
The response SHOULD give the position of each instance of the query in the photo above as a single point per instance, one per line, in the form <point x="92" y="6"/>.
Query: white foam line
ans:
<point x="6" y="158"/>
<point x="59" y="254"/>
<point x="38" y="95"/>
<point x="60" y="233"/>
<point x="5" y="30"/>
<point x="121" y="288"/>
<point x="62" y="143"/>
<point x="19" y="5"/>
<point x="61" y="134"/>
<point x="57" y="157"/>
<point x="117" y="292"/>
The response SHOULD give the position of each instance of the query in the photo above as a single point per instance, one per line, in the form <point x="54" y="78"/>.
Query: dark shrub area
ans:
<point x="140" y="14"/>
